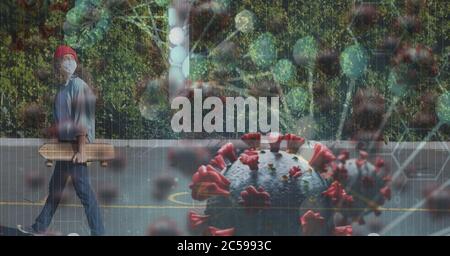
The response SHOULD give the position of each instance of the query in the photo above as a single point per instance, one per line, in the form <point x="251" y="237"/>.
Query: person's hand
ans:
<point x="79" y="158"/>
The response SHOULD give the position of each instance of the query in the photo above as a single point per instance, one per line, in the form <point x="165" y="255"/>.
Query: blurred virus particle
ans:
<point x="413" y="65"/>
<point x="284" y="72"/>
<point x="245" y="21"/>
<point x="219" y="6"/>
<point x="107" y="194"/>
<point x="65" y="196"/>
<point x="427" y="100"/>
<point x="226" y="52"/>
<point x="368" y="109"/>
<point x="42" y="74"/>
<point x="162" y="3"/>
<point x="200" y="17"/>
<point x="353" y="61"/>
<point x="399" y="183"/>
<point x="408" y="23"/>
<point x="34" y="180"/>
<point x="163" y="227"/>
<point x="153" y="97"/>
<point x="263" y="50"/>
<point x="50" y="132"/>
<point x="443" y="107"/>
<point x="375" y="225"/>
<point x="305" y="51"/>
<point x="29" y="4"/>
<point x="368" y="140"/>
<point x="86" y="23"/>
<point x="213" y="6"/>
<point x="389" y="44"/>
<point x="277" y="20"/>
<point x="297" y="100"/>
<point x="186" y="158"/>
<point x="33" y="116"/>
<point x="209" y="89"/>
<point x="260" y="191"/>
<point x="119" y="162"/>
<point x="162" y="186"/>
<point x="423" y="119"/>
<point x="437" y="201"/>
<point x="197" y="68"/>
<point x="322" y="98"/>
<point x="365" y="15"/>
<point x="264" y="88"/>
<point x="413" y="7"/>
<point x="328" y="62"/>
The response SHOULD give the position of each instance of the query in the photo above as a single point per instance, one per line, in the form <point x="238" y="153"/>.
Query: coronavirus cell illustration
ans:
<point x="276" y="191"/>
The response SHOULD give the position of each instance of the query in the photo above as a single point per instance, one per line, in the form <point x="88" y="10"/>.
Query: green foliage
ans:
<point x="117" y="61"/>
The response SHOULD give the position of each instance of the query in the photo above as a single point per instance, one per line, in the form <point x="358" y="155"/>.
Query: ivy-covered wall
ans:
<point x="389" y="56"/>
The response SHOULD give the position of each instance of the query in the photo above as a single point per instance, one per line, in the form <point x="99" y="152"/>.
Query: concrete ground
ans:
<point x="24" y="178"/>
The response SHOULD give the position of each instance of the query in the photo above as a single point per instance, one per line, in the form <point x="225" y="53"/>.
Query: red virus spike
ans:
<point x="253" y="140"/>
<point x="250" y="160"/>
<point x="275" y="140"/>
<point x="227" y="151"/>
<point x="343" y="156"/>
<point x="218" y="162"/>
<point x="250" y="152"/>
<point x="362" y="158"/>
<point x="337" y="193"/>
<point x="213" y="231"/>
<point x="207" y="182"/>
<point x="386" y="192"/>
<point x="295" y="172"/>
<point x="294" y="142"/>
<point x="321" y="156"/>
<point x="340" y="173"/>
<point x="195" y="220"/>
<point x="217" y="175"/>
<point x="343" y="231"/>
<point x="254" y="199"/>
<point x="312" y="223"/>
<point x="379" y="163"/>
<point x="209" y="174"/>
<point x="203" y="190"/>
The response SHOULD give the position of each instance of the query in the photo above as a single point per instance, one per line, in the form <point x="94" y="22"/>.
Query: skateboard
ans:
<point x="100" y="152"/>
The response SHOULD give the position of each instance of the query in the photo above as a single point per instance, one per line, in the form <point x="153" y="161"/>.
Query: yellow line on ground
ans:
<point x="196" y="206"/>
<point x="172" y="198"/>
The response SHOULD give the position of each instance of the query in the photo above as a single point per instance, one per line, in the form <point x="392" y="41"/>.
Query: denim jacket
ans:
<point x="74" y="110"/>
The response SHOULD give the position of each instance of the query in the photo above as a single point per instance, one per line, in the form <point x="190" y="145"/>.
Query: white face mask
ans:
<point x="69" y="67"/>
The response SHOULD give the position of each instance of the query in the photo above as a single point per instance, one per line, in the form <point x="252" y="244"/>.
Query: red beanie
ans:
<point x="63" y="50"/>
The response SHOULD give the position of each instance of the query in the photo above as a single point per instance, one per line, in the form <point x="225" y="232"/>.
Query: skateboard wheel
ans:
<point x="104" y="163"/>
<point x="49" y="163"/>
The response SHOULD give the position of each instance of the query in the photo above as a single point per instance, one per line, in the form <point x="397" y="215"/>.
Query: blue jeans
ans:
<point x="80" y="180"/>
